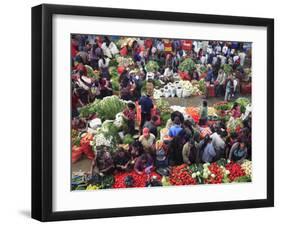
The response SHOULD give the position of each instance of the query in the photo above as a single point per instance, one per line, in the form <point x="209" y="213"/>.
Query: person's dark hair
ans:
<point x="131" y="105"/>
<point x="81" y="72"/>
<point x="95" y="46"/>
<point x="208" y="138"/>
<point x="137" y="144"/>
<point x="223" y="133"/>
<point x="103" y="58"/>
<point x="144" y="156"/>
<point x="175" y="114"/>
<point x="233" y="135"/>
<point x="107" y="41"/>
<point x="79" y="59"/>
<point x="177" y="120"/>
<point x="205" y="103"/>
<point x="134" y="43"/>
<point x="154" y="118"/>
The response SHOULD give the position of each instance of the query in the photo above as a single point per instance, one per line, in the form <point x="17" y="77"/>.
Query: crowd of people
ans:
<point x="185" y="144"/>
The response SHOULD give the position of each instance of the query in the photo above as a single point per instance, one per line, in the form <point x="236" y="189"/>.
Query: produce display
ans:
<point x="218" y="172"/>
<point x="187" y="65"/>
<point x="107" y="108"/>
<point x="151" y="112"/>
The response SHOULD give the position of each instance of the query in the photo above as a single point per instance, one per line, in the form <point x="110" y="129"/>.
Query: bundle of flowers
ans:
<point x="132" y="179"/>
<point x="235" y="171"/>
<point x="193" y="112"/>
<point x="181" y="175"/>
<point x="247" y="167"/>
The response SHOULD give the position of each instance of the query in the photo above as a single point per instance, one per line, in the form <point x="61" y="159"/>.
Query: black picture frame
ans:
<point x="42" y="95"/>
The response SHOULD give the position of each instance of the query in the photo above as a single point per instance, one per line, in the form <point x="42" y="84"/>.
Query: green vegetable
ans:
<point x="227" y="69"/>
<point x="115" y="84"/>
<point x="128" y="139"/>
<point x="164" y="116"/>
<point x="242" y="101"/>
<point x="107" y="108"/>
<point x="243" y="179"/>
<point x="187" y="65"/>
<point x="91" y="73"/>
<point x="202" y="85"/>
<point x="107" y="181"/>
<point x="163" y="106"/>
<point x="152" y="66"/>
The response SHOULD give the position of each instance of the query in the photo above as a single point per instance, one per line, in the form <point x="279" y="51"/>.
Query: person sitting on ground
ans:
<point x="152" y="125"/>
<point x="122" y="160"/>
<point x="135" y="151"/>
<point x="218" y="140"/>
<point x="103" y="163"/>
<point x="161" y="159"/>
<point x="238" y="152"/>
<point x="168" y="73"/>
<point x="175" y="128"/>
<point x="190" y="152"/>
<point x="209" y="153"/>
<point x="147" y="140"/>
<point x="144" y="164"/>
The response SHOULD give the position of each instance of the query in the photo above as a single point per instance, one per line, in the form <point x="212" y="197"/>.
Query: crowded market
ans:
<point x="152" y="112"/>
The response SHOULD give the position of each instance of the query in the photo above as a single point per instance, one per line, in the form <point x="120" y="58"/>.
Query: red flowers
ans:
<point x="181" y="175"/>
<point x="235" y="171"/>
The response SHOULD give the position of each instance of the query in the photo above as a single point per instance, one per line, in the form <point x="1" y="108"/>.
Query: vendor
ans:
<point x="130" y="115"/>
<point x="209" y="152"/>
<point x="152" y="125"/>
<point x="135" y="151"/>
<point x="144" y="164"/>
<point x="238" y="152"/>
<point x="175" y="128"/>
<point x="161" y="158"/>
<point x="103" y="164"/>
<point x="122" y="160"/>
<point x="235" y="111"/>
<point x="190" y="153"/>
<point x="147" y="140"/>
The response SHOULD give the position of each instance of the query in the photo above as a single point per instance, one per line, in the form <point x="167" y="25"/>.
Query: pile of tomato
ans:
<point x="217" y="172"/>
<point x="139" y="180"/>
<point x="181" y="175"/>
<point x="235" y="171"/>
